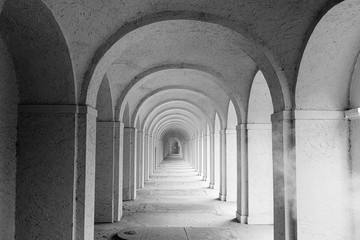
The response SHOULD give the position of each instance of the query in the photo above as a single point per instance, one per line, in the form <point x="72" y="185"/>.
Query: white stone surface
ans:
<point x="260" y="176"/>
<point x="322" y="179"/>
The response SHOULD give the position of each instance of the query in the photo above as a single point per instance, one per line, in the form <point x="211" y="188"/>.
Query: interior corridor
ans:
<point x="175" y="196"/>
<point x="260" y="98"/>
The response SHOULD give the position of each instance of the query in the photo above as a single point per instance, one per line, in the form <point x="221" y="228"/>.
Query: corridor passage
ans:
<point x="176" y="204"/>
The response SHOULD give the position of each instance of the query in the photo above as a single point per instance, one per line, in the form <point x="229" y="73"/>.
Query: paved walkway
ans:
<point x="176" y="198"/>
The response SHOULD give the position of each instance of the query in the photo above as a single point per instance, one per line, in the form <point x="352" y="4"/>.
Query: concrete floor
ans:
<point x="176" y="197"/>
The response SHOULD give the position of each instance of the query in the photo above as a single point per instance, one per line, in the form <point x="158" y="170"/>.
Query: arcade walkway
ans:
<point x="176" y="203"/>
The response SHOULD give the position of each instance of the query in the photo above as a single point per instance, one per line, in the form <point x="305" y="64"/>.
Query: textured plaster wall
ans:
<point x="231" y="165"/>
<point x="8" y="132"/>
<point x="322" y="180"/>
<point x="129" y="164"/>
<point x="260" y="175"/>
<point x="104" y="174"/>
<point x="45" y="176"/>
<point x="355" y="171"/>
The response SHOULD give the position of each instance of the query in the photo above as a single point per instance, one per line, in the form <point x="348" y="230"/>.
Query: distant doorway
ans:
<point x="175" y="149"/>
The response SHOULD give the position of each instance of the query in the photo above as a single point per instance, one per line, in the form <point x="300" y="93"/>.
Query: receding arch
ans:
<point x="177" y="104"/>
<point x="211" y="74"/>
<point x="168" y="92"/>
<point x="264" y="58"/>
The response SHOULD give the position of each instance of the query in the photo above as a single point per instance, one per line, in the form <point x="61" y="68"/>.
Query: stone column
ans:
<point x="140" y="160"/>
<point x="145" y="156"/>
<point x="129" y="184"/>
<point x="154" y="153"/>
<point x="231" y="165"/>
<point x="212" y="160"/>
<point x="205" y="166"/>
<point x="191" y="153"/>
<point x="223" y="177"/>
<point x="196" y="154"/>
<point x="188" y="152"/>
<point x="104" y="177"/>
<point x="242" y="175"/>
<point x="261" y="206"/>
<point x="354" y="116"/>
<point x="55" y="182"/>
<point x="118" y="174"/>
<point x="285" y="221"/>
<point x="200" y="156"/>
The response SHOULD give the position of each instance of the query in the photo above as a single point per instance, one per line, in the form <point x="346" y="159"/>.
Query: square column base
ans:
<point x="241" y="219"/>
<point x="222" y="197"/>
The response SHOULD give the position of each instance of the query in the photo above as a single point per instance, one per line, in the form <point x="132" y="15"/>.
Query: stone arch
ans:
<point x="328" y="60"/>
<point x="187" y="106"/>
<point x="141" y="78"/>
<point x="263" y="57"/>
<point x="40" y="53"/>
<point x="323" y="93"/>
<point x="156" y="93"/>
<point x="46" y="125"/>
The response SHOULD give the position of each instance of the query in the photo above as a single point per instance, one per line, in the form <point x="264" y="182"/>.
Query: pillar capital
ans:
<point x="103" y="124"/>
<point x="131" y="128"/>
<point x="259" y="126"/>
<point x="241" y="126"/>
<point x="118" y="124"/>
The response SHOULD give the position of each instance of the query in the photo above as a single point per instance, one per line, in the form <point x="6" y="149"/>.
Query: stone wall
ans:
<point x="8" y="121"/>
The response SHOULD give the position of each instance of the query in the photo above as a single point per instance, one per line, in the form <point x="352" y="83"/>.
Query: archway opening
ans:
<point x="175" y="148"/>
<point x="231" y="154"/>
<point x="260" y="154"/>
